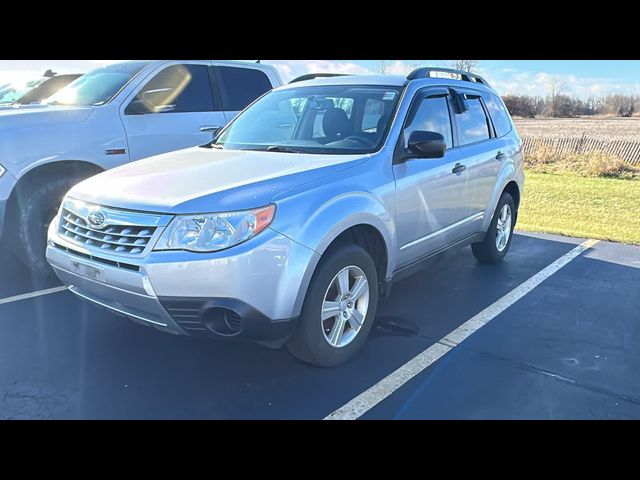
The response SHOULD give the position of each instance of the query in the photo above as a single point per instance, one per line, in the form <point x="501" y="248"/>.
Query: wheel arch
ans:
<point x="507" y="181"/>
<point x="41" y="172"/>
<point x="513" y="189"/>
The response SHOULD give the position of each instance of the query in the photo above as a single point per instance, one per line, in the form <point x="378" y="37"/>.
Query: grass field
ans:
<point x="604" y="128"/>
<point x="601" y="208"/>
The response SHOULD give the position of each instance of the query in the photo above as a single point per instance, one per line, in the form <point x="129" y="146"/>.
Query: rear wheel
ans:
<point x="32" y="212"/>
<point x="339" y="308"/>
<point x="498" y="239"/>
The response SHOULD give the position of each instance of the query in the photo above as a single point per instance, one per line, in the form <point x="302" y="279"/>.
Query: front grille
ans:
<point x="115" y="238"/>
<point x="106" y="261"/>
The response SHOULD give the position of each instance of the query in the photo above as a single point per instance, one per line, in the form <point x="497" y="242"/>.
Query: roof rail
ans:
<point x="425" y="72"/>
<point x="310" y="76"/>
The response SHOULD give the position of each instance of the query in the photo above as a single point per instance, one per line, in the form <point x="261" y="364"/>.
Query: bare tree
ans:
<point x="383" y="67"/>
<point x="556" y="89"/>
<point x="465" y="65"/>
<point x="557" y="102"/>
<point x="412" y="65"/>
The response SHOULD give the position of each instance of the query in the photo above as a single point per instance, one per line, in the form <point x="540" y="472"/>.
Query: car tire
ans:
<point x="495" y="246"/>
<point x="34" y="208"/>
<point x="334" y="340"/>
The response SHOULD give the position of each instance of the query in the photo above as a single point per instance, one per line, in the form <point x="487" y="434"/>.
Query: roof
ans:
<point x="385" y="80"/>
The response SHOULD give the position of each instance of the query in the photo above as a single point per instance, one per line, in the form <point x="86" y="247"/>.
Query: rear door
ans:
<point x="239" y="87"/>
<point x="175" y="109"/>
<point x="482" y="154"/>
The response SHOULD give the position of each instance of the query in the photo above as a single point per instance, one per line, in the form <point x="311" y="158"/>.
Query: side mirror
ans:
<point x="144" y="103"/>
<point x="427" y="144"/>
<point x="137" y="107"/>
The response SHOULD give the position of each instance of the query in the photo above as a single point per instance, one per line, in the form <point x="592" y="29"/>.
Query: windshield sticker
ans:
<point x="389" y="95"/>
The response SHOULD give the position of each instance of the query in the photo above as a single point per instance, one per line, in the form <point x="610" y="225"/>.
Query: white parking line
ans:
<point x="385" y="387"/>
<point x="37" y="293"/>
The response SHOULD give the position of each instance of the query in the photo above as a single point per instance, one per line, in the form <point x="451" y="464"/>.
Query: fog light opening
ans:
<point x="222" y="321"/>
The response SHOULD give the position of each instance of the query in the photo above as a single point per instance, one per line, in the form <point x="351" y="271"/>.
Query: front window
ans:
<point x="98" y="86"/>
<point x="329" y="119"/>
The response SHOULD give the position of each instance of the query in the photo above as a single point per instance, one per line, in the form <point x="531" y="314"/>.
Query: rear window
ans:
<point x="498" y="114"/>
<point x="473" y="124"/>
<point x="241" y="86"/>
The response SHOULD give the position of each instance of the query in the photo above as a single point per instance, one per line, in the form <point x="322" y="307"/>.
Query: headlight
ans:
<point x="2" y="170"/>
<point x="209" y="232"/>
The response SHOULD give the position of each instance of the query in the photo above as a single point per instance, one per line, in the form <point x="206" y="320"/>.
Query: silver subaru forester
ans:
<point x="291" y="223"/>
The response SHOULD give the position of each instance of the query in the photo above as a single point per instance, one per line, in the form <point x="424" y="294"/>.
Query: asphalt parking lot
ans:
<point x="567" y="349"/>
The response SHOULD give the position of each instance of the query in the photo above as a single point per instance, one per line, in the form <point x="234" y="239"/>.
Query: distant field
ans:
<point x="599" y="128"/>
<point x="616" y="137"/>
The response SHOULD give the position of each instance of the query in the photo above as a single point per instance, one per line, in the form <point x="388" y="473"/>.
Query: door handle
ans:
<point x="209" y="128"/>
<point x="459" y="168"/>
<point x="500" y="156"/>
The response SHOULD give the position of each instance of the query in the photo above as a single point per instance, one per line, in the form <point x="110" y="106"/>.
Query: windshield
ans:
<point x="333" y="119"/>
<point x="46" y="89"/>
<point x="11" y="92"/>
<point x="98" y="86"/>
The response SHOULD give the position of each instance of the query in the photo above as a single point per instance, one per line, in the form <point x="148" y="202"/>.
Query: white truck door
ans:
<point x="175" y="109"/>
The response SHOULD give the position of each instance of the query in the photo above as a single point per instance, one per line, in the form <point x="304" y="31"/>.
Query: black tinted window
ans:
<point x="498" y="114"/>
<point x="432" y="116"/>
<point x="241" y="86"/>
<point x="178" y="88"/>
<point x="473" y="125"/>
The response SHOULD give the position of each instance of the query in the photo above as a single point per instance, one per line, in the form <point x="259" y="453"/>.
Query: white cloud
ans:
<point x="290" y="69"/>
<point x="540" y="84"/>
<point x="399" y="68"/>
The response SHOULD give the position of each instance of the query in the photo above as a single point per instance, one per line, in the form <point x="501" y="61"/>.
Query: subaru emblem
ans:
<point x="96" y="219"/>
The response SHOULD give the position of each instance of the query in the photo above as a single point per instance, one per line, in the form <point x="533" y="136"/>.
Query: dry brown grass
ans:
<point x="588" y="164"/>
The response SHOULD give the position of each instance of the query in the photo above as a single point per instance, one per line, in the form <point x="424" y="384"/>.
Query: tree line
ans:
<point x="560" y="105"/>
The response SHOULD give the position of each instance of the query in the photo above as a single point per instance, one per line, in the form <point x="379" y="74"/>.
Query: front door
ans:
<point x="431" y="194"/>
<point x="173" y="110"/>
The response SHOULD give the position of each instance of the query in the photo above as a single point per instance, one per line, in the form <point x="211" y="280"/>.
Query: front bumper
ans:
<point x="248" y="291"/>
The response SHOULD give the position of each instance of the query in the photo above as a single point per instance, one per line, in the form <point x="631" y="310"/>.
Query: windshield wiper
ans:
<point x="280" y="148"/>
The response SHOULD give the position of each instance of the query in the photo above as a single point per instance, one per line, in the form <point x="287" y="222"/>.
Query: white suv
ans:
<point x="106" y="118"/>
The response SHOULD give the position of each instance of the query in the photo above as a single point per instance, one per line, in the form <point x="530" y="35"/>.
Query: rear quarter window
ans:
<point x="241" y="86"/>
<point x="499" y="115"/>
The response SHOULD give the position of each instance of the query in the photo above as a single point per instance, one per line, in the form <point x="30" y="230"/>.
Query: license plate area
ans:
<point x="87" y="271"/>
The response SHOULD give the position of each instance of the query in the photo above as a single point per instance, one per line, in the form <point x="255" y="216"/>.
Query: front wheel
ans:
<point x="498" y="239"/>
<point x="338" y="311"/>
<point x="35" y="207"/>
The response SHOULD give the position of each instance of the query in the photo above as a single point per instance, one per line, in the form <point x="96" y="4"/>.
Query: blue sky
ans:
<point x="534" y="77"/>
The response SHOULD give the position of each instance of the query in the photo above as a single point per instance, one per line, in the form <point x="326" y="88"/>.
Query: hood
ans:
<point x="199" y="180"/>
<point x="41" y="115"/>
